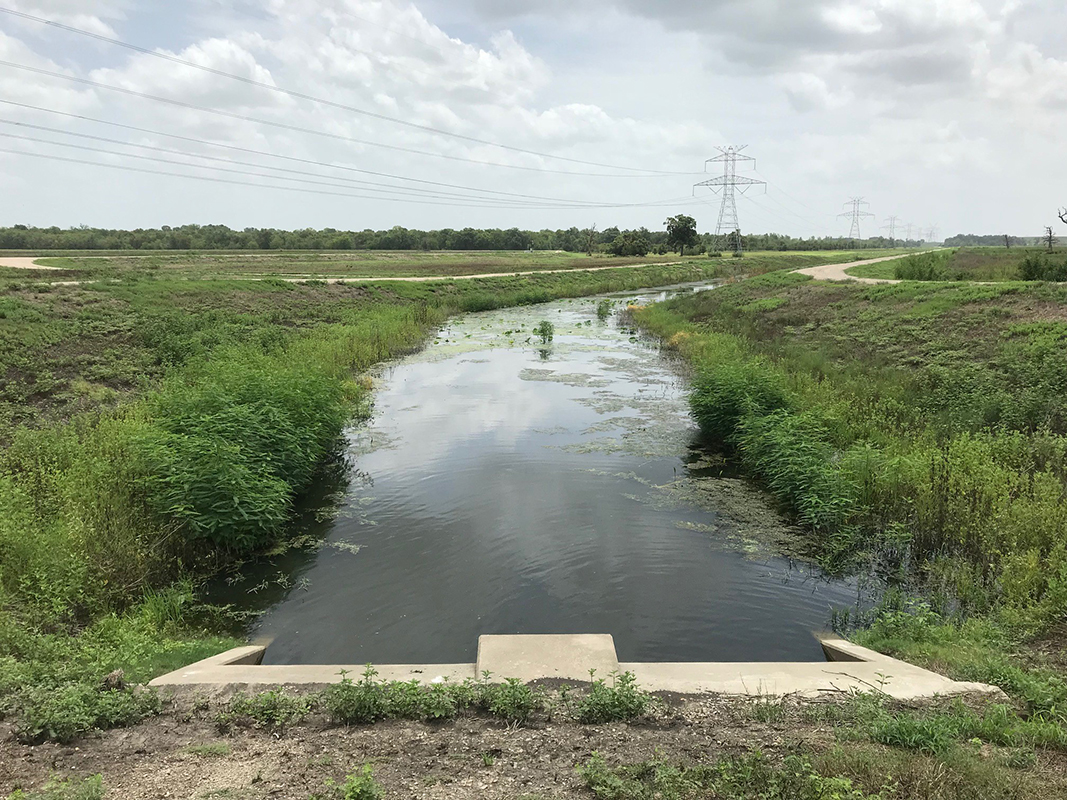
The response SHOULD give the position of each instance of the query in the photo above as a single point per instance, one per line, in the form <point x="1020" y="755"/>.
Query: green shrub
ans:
<point x="352" y="703"/>
<point x="725" y="393"/>
<point x="1037" y="267"/>
<point x="511" y="700"/>
<point x="545" y="330"/>
<point x="623" y="700"/>
<point x="357" y="786"/>
<point x="234" y="440"/>
<point x="63" y="713"/>
<point x="924" y="267"/>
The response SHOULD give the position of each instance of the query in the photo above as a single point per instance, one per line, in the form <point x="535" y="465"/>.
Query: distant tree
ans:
<point x="590" y="239"/>
<point x="1063" y="215"/>
<point x="629" y="244"/>
<point x="681" y="232"/>
<point x="1007" y="241"/>
<point x="1049" y="238"/>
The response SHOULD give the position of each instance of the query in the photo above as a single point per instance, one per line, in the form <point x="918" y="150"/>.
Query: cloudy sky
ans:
<point x="532" y="113"/>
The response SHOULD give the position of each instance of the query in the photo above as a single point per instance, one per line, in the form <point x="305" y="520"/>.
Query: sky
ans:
<point x="354" y="114"/>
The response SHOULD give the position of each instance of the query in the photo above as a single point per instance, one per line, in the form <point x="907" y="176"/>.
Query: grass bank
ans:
<point x="916" y="431"/>
<point x="984" y="264"/>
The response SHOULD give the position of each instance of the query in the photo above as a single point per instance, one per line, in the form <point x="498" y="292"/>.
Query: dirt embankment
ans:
<point x="183" y="755"/>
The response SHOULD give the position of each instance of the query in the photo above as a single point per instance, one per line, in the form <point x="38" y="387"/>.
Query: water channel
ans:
<point x="507" y="486"/>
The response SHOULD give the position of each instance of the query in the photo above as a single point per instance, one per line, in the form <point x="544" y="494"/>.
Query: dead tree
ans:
<point x="1007" y="241"/>
<point x="1063" y="215"/>
<point x="1049" y="238"/>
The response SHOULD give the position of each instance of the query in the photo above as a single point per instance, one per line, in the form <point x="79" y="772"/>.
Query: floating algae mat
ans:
<point x="508" y="485"/>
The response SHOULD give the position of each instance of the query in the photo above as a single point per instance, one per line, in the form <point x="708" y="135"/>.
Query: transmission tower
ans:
<point x="931" y="233"/>
<point x="891" y="223"/>
<point x="907" y="232"/>
<point x="857" y="213"/>
<point x="729" y="183"/>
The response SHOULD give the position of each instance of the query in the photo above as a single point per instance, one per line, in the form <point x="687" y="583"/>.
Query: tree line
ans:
<point x="638" y="242"/>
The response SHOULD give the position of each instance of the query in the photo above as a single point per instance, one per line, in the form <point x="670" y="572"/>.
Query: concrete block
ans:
<point x="534" y="657"/>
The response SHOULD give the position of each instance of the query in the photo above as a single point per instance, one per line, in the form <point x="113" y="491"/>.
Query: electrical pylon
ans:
<point x="891" y="223"/>
<point x="728" y="182"/>
<point x="931" y="233"/>
<point x="907" y="232"/>
<point x="857" y="213"/>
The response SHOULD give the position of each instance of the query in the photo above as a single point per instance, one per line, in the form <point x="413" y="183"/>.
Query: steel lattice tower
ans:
<point x="857" y="213"/>
<point x="891" y="224"/>
<point x="728" y="221"/>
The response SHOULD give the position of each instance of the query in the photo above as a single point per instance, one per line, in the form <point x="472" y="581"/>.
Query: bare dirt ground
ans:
<point x="470" y="757"/>
<point x="839" y="272"/>
<point x="26" y="263"/>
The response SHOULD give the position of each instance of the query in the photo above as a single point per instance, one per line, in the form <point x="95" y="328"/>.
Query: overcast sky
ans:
<point x="941" y="112"/>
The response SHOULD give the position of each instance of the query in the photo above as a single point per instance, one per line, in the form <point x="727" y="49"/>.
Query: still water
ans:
<point x="507" y="486"/>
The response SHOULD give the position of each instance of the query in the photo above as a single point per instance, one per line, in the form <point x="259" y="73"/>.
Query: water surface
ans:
<point x="507" y="486"/>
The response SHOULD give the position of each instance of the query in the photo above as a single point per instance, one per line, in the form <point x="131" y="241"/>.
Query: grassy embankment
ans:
<point x="368" y="264"/>
<point x="984" y="264"/>
<point x="153" y="429"/>
<point x="917" y="431"/>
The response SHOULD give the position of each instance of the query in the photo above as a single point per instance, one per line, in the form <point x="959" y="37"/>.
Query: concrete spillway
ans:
<point x="849" y="668"/>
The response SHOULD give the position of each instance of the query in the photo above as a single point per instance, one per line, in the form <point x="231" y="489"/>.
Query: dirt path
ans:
<point x="838" y="272"/>
<point x="23" y="262"/>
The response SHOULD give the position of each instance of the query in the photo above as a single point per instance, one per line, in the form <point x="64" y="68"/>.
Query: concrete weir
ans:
<point x="848" y="668"/>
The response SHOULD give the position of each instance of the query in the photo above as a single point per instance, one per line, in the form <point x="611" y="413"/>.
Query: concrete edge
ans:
<point x="849" y="669"/>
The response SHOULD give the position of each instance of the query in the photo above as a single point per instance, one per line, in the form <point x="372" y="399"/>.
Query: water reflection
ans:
<point x="511" y="487"/>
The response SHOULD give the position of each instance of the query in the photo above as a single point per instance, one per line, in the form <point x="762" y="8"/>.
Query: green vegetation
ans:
<point x="369" y="700"/>
<point x="545" y="330"/>
<point x="222" y="239"/>
<point x="985" y="264"/>
<point x="56" y="789"/>
<point x="918" y="432"/>
<point x="731" y="779"/>
<point x="157" y="429"/>
<point x="358" y="786"/>
<point x="623" y="700"/>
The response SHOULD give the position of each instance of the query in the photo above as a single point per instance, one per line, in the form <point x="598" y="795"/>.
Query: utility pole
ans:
<point x="857" y="213"/>
<point x="891" y="223"/>
<point x="728" y="183"/>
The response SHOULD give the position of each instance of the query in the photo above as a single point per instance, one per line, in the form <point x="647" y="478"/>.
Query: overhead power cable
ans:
<point x="323" y="101"/>
<point x="250" y="119"/>
<point x="452" y="198"/>
<point x="472" y="203"/>
<point x="520" y="197"/>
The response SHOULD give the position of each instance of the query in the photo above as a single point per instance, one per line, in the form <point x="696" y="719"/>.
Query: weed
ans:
<point x="603" y="309"/>
<point x="275" y="709"/>
<point x="545" y="330"/>
<point x="623" y="700"/>
<point x="357" y="786"/>
<point x="72" y="789"/>
<point x="729" y="779"/>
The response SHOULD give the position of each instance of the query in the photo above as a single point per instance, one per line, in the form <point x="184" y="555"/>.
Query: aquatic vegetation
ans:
<point x="545" y="330"/>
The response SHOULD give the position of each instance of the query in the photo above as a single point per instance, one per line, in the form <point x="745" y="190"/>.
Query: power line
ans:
<point x="458" y="200"/>
<point x="319" y="100"/>
<point x="489" y="202"/>
<point x="299" y="129"/>
<point x="729" y="181"/>
<point x="574" y="203"/>
<point x="265" y="122"/>
<point x="856" y="214"/>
